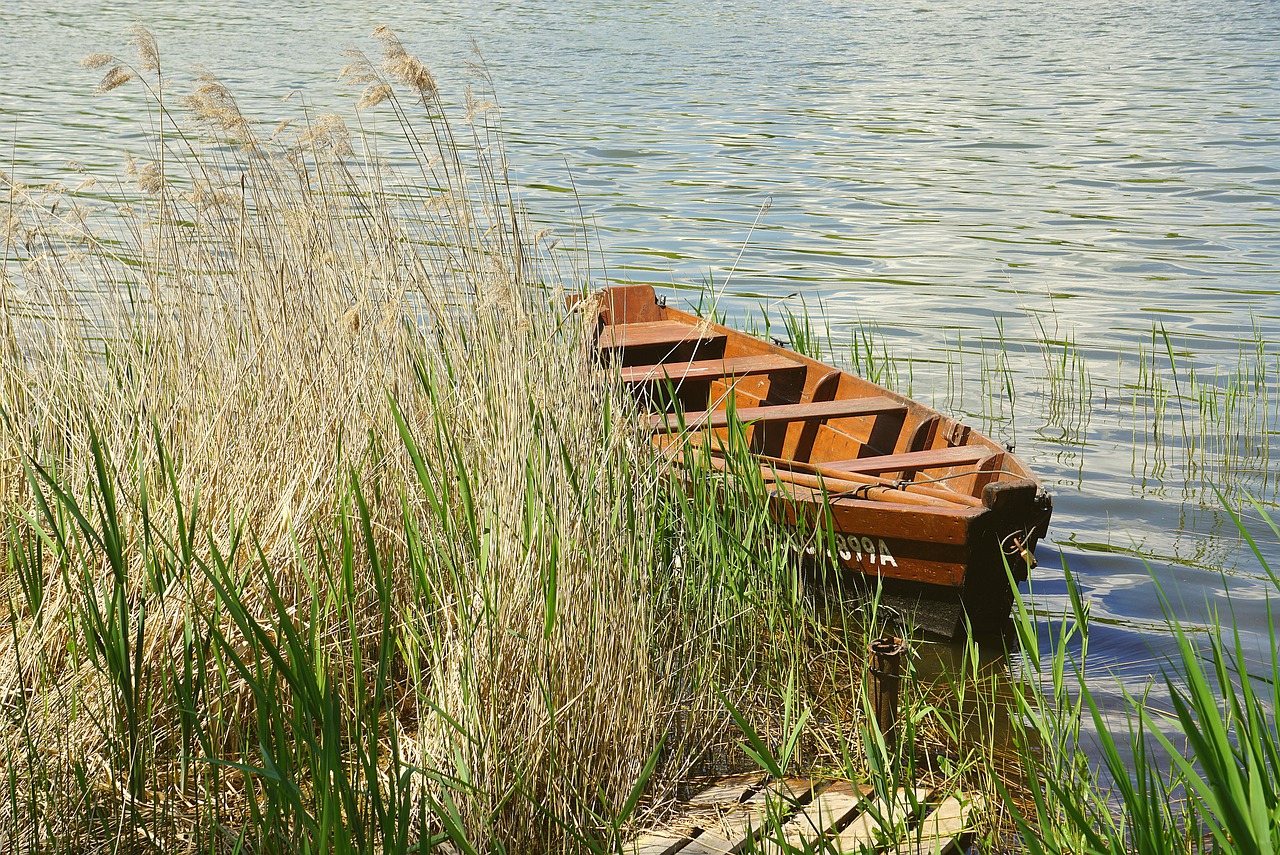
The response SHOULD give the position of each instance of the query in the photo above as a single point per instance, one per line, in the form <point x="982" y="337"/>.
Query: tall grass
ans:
<point x="322" y="532"/>
<point x="1216" y="422"/>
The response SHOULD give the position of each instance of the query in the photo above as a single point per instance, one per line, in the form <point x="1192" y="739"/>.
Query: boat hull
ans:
<point x="885" y="492"/>
<point x="948" y="573"/>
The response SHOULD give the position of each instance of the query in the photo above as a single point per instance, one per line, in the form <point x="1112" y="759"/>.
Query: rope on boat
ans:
<point x="1019" y="548"/>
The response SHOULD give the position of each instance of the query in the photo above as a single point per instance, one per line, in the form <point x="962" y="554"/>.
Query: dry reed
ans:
<point x="314" y="507"/>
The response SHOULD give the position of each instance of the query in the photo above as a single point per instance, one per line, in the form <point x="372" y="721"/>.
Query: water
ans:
<point x="1043" y="199"/>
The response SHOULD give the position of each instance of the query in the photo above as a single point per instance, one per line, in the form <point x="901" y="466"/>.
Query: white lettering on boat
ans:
<point x="853" y="547"/>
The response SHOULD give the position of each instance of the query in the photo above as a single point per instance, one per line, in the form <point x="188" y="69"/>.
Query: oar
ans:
<point x="849" y="483"/>
<point x="838" y="475"/>
<point x="844" y="482"/>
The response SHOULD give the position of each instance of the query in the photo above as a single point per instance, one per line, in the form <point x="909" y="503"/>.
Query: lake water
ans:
<point x="1032" y="207"/>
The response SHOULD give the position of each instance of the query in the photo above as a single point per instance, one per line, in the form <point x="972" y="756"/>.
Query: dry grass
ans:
<point x="231" y="345"/>
<point x="322" y="532"/>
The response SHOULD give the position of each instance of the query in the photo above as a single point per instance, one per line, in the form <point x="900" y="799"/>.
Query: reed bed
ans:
<point x="322" y="534"/>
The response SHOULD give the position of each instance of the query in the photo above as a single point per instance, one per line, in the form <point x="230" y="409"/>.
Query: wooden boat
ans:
<point x="916" y="499"/>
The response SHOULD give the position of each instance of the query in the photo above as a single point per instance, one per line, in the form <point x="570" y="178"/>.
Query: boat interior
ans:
<point x="804" y="419"/>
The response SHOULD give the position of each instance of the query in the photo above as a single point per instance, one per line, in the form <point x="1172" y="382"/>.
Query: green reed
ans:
<point x="1204" y="779"/>
<point x="290" y="716"/>
<point x="1211" y="421"/>
<point x="1068" y="381"/>
<point x="868" y="353"/>
<point x="796" y="328"/>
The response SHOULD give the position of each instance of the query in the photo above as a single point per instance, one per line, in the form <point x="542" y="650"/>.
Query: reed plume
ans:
<point x="321" y="529"/>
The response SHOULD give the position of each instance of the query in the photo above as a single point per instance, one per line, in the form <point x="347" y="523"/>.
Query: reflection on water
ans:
<point x="1059" y="219"/>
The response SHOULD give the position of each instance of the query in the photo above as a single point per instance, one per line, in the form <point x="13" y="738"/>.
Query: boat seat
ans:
<point x="710" y="369"/>
<point x="812" y="411"/>
<point x="911" y="461"/>
<point x="654" y="333"/>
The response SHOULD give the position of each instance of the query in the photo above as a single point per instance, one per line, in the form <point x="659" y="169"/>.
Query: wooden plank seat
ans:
<point x="654" y="333"/>
<point x="911" y="461"/>
<point x="809" y="412"/>
<point x="710" y="369"/>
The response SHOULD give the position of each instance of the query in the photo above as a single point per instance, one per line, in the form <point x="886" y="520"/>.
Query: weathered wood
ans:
<point x="710" y="369"/>
<point x="654" y="333"/>
<point x="734" y="788"/>
<point x="725" y="792"/>
<point x="828" y="812"/>
<point x="880" y="823"/>
<point x="788" y="816"/>
<point x="657" y="844"/>
<point x="945" y="830"/>
<point x="912" y="461"/>
<point x="738" y="828"/>
<point x="884" y="684"/>
<point x="1010" y="495"/>
<point x="816" y="410"/>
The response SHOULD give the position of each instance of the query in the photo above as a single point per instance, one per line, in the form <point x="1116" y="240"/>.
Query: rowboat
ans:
<point x="943" y="519"/>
